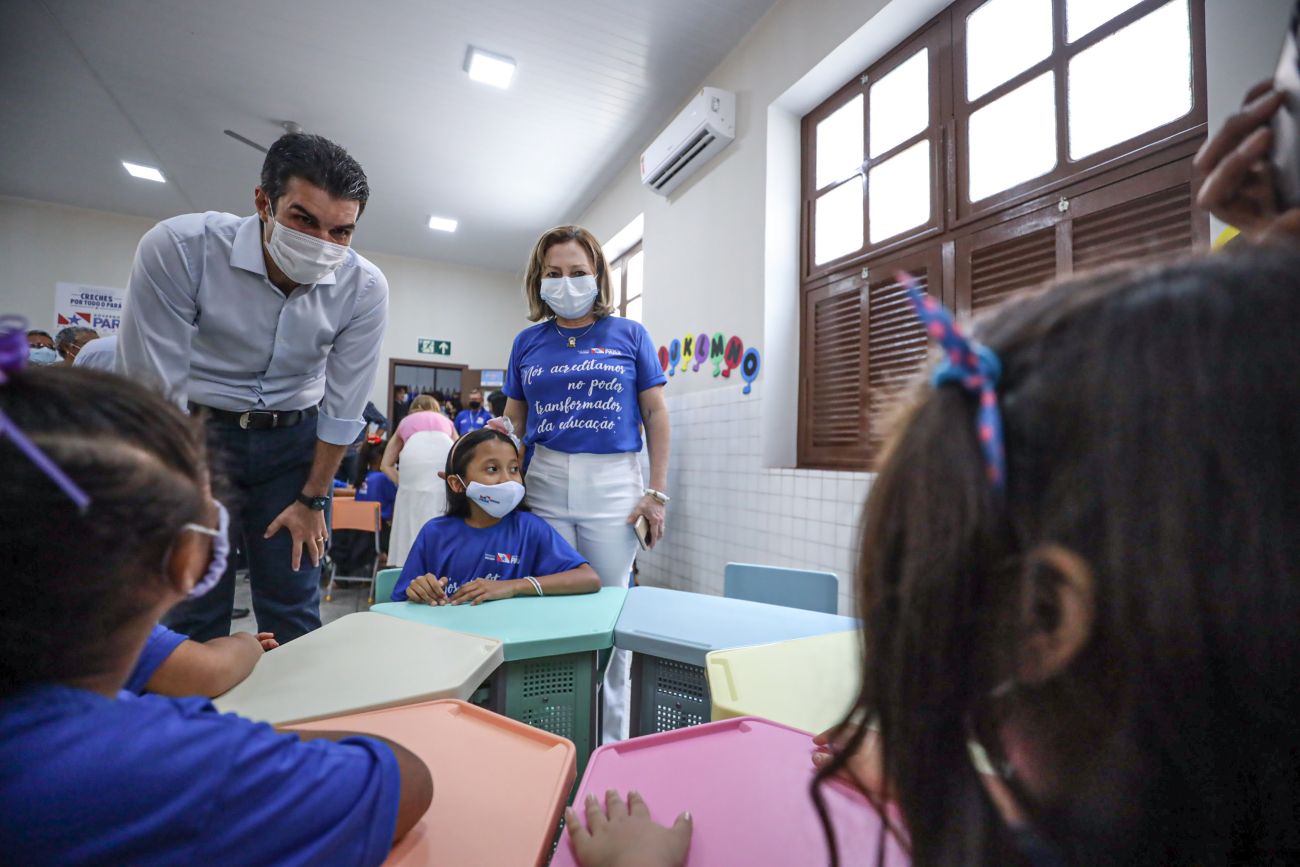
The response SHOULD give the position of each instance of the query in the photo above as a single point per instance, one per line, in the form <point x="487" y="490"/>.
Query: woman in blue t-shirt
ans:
<point x="582" y="383"/>
<point x="485" y="547"/>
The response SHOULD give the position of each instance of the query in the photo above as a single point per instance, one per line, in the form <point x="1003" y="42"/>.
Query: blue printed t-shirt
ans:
<point x="149" y="780"/>
<point x="378" y="488"/>
<point x="157" y="647"/>
<point x="521" y="544"/>
<point x="468" y="420"/>
<point x="585" y="399"/>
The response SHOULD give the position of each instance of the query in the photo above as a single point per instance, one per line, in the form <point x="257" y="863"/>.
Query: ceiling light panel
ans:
<point x="147" y="173"/>
<point x="443" y="224"/>
<point x="494" y="69"/>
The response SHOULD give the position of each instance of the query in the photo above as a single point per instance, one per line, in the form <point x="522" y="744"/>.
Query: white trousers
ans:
<point x="587" y="499"/>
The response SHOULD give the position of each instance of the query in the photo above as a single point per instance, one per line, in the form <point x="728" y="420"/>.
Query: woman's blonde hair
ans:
<point x="424" y="402"/>
<point x="537" y="308"/>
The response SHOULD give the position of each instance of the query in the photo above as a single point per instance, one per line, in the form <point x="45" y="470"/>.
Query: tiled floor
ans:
<point x="347" y="599"/>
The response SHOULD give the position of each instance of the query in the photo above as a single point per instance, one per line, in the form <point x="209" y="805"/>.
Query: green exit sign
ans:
<point x="433" y="346"/>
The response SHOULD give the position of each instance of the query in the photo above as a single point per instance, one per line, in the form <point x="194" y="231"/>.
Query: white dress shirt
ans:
<point x="203" y="321"/>
<point x="98" y="354"/>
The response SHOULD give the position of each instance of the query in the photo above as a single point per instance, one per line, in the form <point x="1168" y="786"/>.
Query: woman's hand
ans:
<point x="484" y="590"/>
<point x="1236" y="177"/>
<point x="627" y="837"/>
<point x="653" y="510"/>
<point x="427" y="590"/>
<point x="863" y="769"/>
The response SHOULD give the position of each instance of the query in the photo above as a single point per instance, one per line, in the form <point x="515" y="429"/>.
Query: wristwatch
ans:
<point x="316" y="504"/>
<point x="660" y="496"/>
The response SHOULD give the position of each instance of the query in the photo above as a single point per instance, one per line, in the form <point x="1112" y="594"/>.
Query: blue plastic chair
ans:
<point x="385" y="581"/>
<point x="793" y="588"/>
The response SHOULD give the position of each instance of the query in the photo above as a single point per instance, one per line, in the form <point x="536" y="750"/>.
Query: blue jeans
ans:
<point x="263" y="472"/>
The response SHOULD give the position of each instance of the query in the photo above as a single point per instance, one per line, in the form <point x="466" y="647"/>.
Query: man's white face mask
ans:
<point x="303" y="258"/>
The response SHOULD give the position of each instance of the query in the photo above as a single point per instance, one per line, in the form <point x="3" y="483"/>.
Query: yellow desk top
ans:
<point x="808" y="683"/>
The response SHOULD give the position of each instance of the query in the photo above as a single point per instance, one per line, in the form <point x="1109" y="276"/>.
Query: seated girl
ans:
<point x="90" y="773"/>
<point x="1081" y="557"/>
<point x="486" y="546"/>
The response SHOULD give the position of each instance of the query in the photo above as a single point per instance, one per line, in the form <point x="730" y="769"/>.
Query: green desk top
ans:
<point x="528" y="627"/>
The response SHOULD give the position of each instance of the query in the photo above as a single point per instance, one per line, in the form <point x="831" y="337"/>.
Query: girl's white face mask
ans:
<point x="497" y="500"/>
<point x="304" y="259"/>
<point x="570" y="297"/>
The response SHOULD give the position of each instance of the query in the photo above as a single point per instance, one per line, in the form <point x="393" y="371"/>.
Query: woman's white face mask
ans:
<point x="303" y="258"/>
<point x="570" y="297"/>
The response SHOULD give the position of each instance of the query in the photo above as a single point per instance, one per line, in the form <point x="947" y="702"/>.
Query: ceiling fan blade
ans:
<point x="237" y="137"/>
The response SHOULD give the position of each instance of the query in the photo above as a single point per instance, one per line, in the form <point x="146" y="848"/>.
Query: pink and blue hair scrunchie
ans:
<point x="972" y="366"/>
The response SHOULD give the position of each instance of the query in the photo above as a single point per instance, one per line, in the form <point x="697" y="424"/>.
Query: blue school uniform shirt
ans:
<point x="378" y="488"/>
<point x="468" y="420"/>
<point x="157" y="647"/>
<point x="584" y="399"/>
<point x="149" y="780"/>
<point x="521" y="544"/>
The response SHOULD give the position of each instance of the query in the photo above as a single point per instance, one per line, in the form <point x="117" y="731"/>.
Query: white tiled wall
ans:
<point x="727" y="507"/>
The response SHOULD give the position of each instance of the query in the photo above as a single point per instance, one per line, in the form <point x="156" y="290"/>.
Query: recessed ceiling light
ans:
<point x="443" y="224"/>
<point x="148" y="173"/>
<point x="489" y="68"/>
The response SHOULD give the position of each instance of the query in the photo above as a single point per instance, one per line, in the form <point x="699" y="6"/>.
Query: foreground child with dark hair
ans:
<point x="88" y="773"/>
<point x="486" y="547"/>
<point x="1081" y="557"/>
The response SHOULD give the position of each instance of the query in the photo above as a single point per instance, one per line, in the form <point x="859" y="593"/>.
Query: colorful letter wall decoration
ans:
<point x="690" y="353"/>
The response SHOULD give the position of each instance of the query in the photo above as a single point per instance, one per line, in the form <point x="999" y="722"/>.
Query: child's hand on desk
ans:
<point x="428" y="590"/>
<point x="267" y="640"/>
<point x="863" y="768"/>
<point x="628" y="837"/>
<point x="483" y="590"/>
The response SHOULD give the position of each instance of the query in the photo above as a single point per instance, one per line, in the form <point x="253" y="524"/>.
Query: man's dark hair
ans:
<point x="497" y="402"/>
<point x="44" y="334"/>
<point x="319" y="162"/>
<point x="71" y="336"/>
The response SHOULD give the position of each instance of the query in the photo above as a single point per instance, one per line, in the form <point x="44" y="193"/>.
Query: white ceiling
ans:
<point x="85" y="85"/>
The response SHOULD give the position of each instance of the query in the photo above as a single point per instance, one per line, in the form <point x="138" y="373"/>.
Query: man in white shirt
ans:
<point x="98" y="354"/>
<point x="268" y="327"/>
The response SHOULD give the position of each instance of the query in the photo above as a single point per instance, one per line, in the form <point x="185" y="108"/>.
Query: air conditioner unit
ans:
<point x="704" y="127"/>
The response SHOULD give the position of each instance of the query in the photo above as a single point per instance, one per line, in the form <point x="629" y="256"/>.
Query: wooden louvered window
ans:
<point x="1104" y="189"/>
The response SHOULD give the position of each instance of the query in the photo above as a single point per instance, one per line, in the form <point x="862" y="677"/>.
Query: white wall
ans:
<point x="479" y="311"/>
<point x="722" y="254"/>
<point x="42" y="244"/>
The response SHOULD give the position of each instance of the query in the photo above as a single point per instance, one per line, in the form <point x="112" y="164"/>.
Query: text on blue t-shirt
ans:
<point x="584" y="399"/>
<point x="520" y="544"/>
<point x="468" y="420"/>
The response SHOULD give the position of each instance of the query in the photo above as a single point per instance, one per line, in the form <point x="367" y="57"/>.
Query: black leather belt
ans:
<point x="256" y="419"/>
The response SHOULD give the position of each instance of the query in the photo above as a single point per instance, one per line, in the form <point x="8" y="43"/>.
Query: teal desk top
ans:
<point x="528" y="627"/>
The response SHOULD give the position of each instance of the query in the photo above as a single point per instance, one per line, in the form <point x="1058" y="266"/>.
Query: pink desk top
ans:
<point x="745" y="782"/>
<point x="498" y="785"/>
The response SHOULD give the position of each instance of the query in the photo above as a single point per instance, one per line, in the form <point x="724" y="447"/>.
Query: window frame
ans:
<point x="1058" y="63"/>
<point x="933" y="36"/>
<point x="620" y="264"/>
<point x="1148" y="160"/>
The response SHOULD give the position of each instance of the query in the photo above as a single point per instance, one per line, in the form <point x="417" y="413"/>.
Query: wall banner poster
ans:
<point x="97" y="307"/>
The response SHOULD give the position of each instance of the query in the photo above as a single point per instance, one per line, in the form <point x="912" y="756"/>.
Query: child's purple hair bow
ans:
<point x="13" y="358"/>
